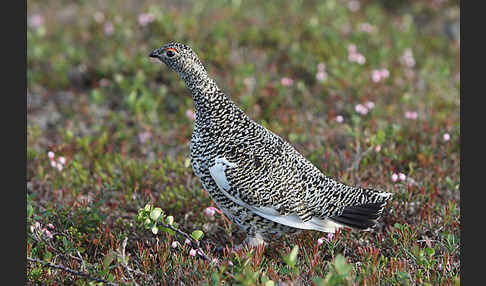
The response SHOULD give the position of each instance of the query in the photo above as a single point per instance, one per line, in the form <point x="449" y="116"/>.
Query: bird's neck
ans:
<point x="209" y="101"/>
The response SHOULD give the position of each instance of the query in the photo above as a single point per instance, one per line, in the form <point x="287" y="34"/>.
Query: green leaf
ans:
<point x="30" y="211"/>
<point x="108" y="259"/>
<point x="269" y="283"/>
<point x="342" y="267"/>
<point x="170" y="220"/>
<point x="293" y="254"/>
<point x="430" y="251"/>
<point x="197" y="234"/>
<point x="155" y="214"/>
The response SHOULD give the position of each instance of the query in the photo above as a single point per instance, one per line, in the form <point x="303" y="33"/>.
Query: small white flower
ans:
<point x="192" y="252"/>
<point x="50" y="154"/>
<point x="62" y="160"/>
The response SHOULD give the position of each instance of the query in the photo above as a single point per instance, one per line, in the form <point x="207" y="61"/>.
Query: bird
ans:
<point x="258" y="179"/>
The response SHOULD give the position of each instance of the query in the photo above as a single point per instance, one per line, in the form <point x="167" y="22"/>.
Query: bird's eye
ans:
<point x="170" y="53"/>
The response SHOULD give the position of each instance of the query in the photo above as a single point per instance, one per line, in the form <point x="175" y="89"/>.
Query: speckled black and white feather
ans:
<point x="254" y="176"/>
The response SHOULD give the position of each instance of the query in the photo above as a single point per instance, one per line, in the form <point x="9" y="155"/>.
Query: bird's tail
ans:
<point x="363" y="215"/>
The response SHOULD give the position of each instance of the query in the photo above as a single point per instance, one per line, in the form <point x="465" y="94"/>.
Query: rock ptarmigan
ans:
<point x="261" y="182"/>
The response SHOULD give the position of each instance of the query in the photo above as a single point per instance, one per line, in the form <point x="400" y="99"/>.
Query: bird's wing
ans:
<point x="266" y="179"/>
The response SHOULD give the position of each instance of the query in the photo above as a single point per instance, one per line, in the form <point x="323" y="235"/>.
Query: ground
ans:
<point x="367" y="90"/>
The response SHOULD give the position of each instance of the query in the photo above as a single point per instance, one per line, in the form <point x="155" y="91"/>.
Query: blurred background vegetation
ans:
<point x="367" y="90"/>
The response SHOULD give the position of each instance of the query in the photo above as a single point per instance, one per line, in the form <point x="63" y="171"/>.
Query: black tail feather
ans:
<point x="361" y="217"/>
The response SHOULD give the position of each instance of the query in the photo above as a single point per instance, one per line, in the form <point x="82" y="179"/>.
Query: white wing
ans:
<point x="293" y="220"/>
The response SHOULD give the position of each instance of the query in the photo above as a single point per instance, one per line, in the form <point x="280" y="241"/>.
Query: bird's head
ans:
<point x="179" y="58"/>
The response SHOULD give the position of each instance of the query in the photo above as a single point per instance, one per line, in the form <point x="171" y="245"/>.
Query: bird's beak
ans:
<point x="154" y="54"/>
<point x="154" y="57"/>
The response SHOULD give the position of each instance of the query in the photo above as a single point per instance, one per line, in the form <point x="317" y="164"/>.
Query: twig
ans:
<point x="82" y="261"/>
<point x="130" y="270"/>
<point x="124" y="261"/>
<point x="194" y="243"/>
<point x="74" y="272"/>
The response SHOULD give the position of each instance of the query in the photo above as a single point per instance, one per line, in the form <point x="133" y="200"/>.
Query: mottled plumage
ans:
<point x="254" y="176"/>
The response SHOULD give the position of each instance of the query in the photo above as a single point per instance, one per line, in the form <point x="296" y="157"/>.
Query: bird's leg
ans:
<point x="252" y="240"/>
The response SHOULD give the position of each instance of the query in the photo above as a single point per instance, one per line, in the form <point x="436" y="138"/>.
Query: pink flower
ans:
<point x="144" y="136"/>
<point x="53" y="164"/>
<point x="354" y="6"/>
<point x="59" y="167"/>
<point x="174" y="244"/>
<point x="104" y="82"/>
<point x="394" y="177"/>
<point x="145" y="18"/>
<point x="411" y="115"/>
<point x="50" y="154"/>
<point x="339" y="118"/>
<point x="287" y="81"/>
<point x="330" y="236"/>
<point x="361" y="109"/>
<point x="384" y="73"/>
<point x="352" y="49"/>
<point x="321" y="76"/>
<point x="51" y="226"/>
<point x="321" y="67"/>
<point x="62" y="160"/>
<point x="407" y="58"/>
<point x="47" y="233"/>
<point x="320" y="241"/>
<point x="192" y="252"/>
<point x="32" y="228"/>
<point x="354" y="56"/>
<point x="37" y="224"/>
<point x="378" y="75"/>
<point x="209" y="212"/>
<point x="36" y="21"/>
<point x="375" y="75"/>
<point x="187" y="241"/>
<point x="360" y="59"/>
<point x="190" y="114"/>
<point x="109" y="28"/>
<point x="402" y="176"/>
<point x="378" y="148"/>
<point x="446" y="137"/>
<point x="367" y="28"/>
<point x="370" y="104"/>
